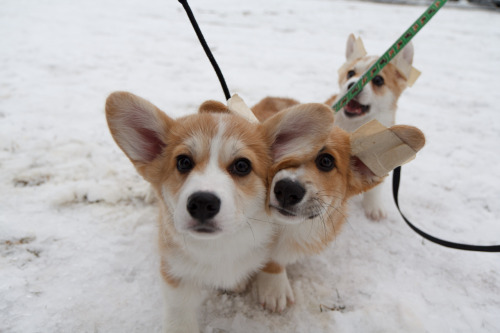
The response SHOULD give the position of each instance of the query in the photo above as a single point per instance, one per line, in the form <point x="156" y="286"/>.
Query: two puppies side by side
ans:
<point x="377" y="100"/>
<point x="210" y="173"/>
<point x="308" y="201"/>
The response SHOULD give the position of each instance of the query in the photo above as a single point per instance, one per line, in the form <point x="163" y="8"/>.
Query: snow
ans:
<point x="77" y="231"/>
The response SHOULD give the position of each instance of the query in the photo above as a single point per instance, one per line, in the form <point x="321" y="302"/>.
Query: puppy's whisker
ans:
<point x="284" y="210"/>
<point x="265" y="221"/>
<point x="320" y="210"/>
<point x="251" y="229"/>
<point x="331" y="211"/>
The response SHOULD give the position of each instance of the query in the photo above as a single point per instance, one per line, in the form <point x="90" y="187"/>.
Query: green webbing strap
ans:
<point x="390" y="54"/>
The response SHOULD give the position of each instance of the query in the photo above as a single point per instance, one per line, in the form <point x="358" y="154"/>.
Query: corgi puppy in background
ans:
<point x="209" y="172"/>
<point x="308" y="194"/>
<point x="378" y="100"/>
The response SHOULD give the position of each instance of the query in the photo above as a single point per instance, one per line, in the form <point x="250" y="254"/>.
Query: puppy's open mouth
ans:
<point x="355" y="109"/>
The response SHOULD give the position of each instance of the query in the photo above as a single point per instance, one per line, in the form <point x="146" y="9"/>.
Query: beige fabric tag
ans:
<point x="414" y="74"/>
<point x="237" y="105"/>
<point x="379" y="148"/>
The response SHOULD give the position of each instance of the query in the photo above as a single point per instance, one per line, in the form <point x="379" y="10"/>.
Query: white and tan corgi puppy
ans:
<point x="209" y="172"/>
<point x="308" y="201"/>
<point x="378" y="100"/>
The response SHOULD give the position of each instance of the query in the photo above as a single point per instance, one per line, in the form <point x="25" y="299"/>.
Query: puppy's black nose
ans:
<point x="203" y="206"/>
<point x="288" y="192"/>
<point x="350" y="85"/>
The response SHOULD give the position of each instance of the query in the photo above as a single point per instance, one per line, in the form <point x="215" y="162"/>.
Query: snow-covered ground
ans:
<point x="77" y="237"/>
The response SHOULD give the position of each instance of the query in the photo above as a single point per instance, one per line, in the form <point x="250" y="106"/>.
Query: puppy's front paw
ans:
<point x="373" y="206"/>
<point x="375" y="213"/>
<point x="274" y="291"/>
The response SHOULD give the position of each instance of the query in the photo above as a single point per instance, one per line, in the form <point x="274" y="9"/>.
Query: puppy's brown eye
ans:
<point x="350" y="74"/>
<point x="325" y="162"/>
<point x="241" y="167"/>
<point x="378" y="81"/>
<point x="184" y="163"/>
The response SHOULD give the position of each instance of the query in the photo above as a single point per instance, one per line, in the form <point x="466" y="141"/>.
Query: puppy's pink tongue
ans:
<point x="354" y="107"/>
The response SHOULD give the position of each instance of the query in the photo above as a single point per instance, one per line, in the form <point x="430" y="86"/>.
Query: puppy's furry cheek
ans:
<point x="244" y="196"/>
<point x="257" y="198"/>
<point x="169" y="198"/>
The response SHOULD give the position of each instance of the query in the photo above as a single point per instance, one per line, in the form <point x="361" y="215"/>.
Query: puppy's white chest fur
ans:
<point x="223" y="263"/>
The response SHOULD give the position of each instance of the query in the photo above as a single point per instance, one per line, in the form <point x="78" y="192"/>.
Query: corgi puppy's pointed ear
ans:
<point x="213" y="106"/>
<point x="406" y="55"/>
<point x="403" y="62"/>
<point x="138" y="127"/>
<point x="354" y="48"/>
<point x="294" y="130"/>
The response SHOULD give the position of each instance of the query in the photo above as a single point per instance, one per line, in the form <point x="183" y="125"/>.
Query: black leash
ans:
<point x="396" y="174"/>
<point x="203" y="42"/>
<point x="396" y="177"/>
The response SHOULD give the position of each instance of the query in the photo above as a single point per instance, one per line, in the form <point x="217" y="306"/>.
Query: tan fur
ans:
<point x="212" y="154"/>
<point x="256" y="151"/>
<point x="213" y="106"/>
<point x="394" y="81"/>
<point x="272" y="268"/>
<point x="341" y="183"/>
<point x="318" y="218"/>
<point x="413" y="138"/>
<point x="271" y="105"/>
<point x="175" y="135"/>
<point x="165" y="273"/>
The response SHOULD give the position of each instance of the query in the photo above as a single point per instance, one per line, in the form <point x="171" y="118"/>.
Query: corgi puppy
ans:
<point x="308" y="201"/>
<point x="378" y="100"/>
<point x="209" y="172"/>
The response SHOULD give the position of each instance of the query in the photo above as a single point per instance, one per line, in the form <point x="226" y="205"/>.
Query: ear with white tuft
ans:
<point x="354" y="48"/>
<point x="296" y="129"/>
<point x="406" y="54"/>
<point x="138" y="127"/>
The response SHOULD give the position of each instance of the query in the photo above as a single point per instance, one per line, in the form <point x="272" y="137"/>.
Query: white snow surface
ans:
<point x="78" y="235"/>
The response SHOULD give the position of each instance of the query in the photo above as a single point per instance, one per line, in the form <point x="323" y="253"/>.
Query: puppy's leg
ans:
<point x="373" y="203"/>
<point x="181" y="307"/>
<point x="240" y="287"/>
<point x="273" y="288"/>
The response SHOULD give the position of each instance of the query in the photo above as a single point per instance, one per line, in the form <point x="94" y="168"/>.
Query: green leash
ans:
<point x="390" y="53"/>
